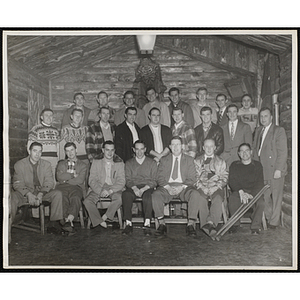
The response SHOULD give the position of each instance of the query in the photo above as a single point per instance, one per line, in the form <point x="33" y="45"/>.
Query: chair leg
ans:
<point x="81" y="218"/>
<point x="224" y="212"/>
<point x="89" y="223"/>
<point x="264" y="222"/>
<point x="42" y="218"/>
<point x="120" y="218"/>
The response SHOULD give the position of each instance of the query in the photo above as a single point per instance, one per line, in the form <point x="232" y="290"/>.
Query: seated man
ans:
<point x="211" y="179"/>
<point x="33" y="182"/>
<point x="140" y="173"/>
<point x="71" y="175"/>
<point x="176" y="178"/>
<point x="246" y="179"/>
<point x="107" y="179"/>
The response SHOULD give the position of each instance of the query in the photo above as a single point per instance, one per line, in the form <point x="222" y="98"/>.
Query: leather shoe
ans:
<point x="190" y="230"/>
<point x="127" y="230"/>
<point x="273" y="227"/>
<point x="161" y="230"/>
<point x="233" y="229"/>
<point x="147" y="230"/>
<point x="53" y="230"/>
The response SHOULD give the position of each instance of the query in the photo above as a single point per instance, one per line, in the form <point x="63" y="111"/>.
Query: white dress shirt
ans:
<point x="158" y="145"/>
<point x="263" y="137"/>
<point x="134" y="133"/>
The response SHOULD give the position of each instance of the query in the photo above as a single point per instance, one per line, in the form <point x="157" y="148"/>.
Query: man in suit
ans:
<point x="129" y="101"/>
<point x="208" y="130"/>
<point x="71" y="176"/>
<point x="270" y="148"/>
<point x="157" y="137"/>
<point x="235" y="133"/>
<point x="177" y="102"/>
<point x="211" y="179"/>
<point x="176" y="177"/>
<point x="126" y="134"/>
<point x="107" y="179"/>
<point x="222" y="103"/>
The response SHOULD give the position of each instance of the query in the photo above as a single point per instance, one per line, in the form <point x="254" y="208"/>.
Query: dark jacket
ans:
<point x="215" y="133"/>
<point x="124" y="140"/>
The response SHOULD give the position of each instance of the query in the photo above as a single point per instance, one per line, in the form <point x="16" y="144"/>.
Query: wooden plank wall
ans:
<point x="22" y="81"/>
<point x="285" y="99"/>
<point x="117" y="74"/>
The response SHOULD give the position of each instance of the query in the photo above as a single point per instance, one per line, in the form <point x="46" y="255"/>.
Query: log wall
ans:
<point x="25" y="91"/>
<point x="117" y="74"/>
<point x="285" y="99"/>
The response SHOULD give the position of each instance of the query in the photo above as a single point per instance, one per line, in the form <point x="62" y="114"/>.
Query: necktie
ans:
<point x="71" y="166"/>
<point x="232" y="131"/>
<point x="260" y="137"/>
<point x="220" y="118"/>
<point x="175" y="170"/>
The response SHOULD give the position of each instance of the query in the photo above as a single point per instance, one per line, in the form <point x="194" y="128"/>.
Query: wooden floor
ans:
<point x="109" y="248"/>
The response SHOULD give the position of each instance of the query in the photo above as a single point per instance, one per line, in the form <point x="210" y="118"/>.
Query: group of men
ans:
<point x="158" y="153"/>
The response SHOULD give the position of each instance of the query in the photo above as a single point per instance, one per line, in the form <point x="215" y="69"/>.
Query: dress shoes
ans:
<point x="272" y="227"/>
<point x="147" y="230"/>
<point x="161" y="230"/>
<point x="67" y="228"/>
<point x="190" y="231"/>
<point x="127" y="230"/>
<point x="233" y="229"/>
<point x="53" y="230"/>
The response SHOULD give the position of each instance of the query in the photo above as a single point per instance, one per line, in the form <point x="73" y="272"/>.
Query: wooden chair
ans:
<point x="103" y="203"/>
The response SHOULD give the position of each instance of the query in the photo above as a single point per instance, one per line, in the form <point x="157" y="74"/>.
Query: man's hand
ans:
<point x="39" y="197"/>
<point x="136" y="191"/>
<point x="156" y="159"/>
<point x="104" y="194"/>
<point x="277" y="174"/>
<point x="75" y="174"/>
<point x="32" y="199"/>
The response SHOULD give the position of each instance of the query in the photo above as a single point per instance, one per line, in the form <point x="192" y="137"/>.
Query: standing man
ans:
<point x="75" y="133"/>
<point x="140" y="173"/>
<point x="129" y="101"/>
<point x="185" y="132"/>
<point x="48" y="135"/>
<point x="176" y="177"/>
<point x="157" y="137"/>
<point x="33" y="182"/>
<point x="78" y="103"/>
<point x="127" y="133"/>
<point x="235" y="133"/>
<point x="247" y="113"/>
<point x="222" y="103"/>
<point x="201" y="96"/>
<point x="209" y="130"/>
<point x="97" y="134"/>
<point x="246" y="180"/>
<point x="107" y="179"/>
<point x="71" y="176"/>
<point x="211" y="180"/>
<point x="270" y="147"/>
<point x="152" y="97"/>
<point x="177" y="102"/>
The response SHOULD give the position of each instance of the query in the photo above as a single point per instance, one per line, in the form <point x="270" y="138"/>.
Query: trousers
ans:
<point x="128" y="196"/>
<point x="54" y="197"/>
<point x="72" y="195"/>
<point x="257" y="209"/>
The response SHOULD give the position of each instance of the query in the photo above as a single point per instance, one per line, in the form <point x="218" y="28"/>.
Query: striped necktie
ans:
<point x="175" y="170"/>
<point x="232" y="131"/>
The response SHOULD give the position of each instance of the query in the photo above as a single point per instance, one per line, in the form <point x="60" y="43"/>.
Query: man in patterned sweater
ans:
<point x="185" y="131"/>
<point x="97" y="134"/>
<point x="48" y="135"/>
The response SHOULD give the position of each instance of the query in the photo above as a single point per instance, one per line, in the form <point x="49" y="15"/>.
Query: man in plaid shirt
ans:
<point x="98" y="133"/>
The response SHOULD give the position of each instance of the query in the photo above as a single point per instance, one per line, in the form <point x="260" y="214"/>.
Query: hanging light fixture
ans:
<point x="146" y="43"/>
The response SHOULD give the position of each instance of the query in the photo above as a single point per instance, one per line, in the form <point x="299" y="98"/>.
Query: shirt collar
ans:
<point x="234" y="122"/>
<point x="108" y="161"/>
<point x="179" y="124"/>
<point x="130" y="125"/>
<point x="140" y="160"/>
<point x="179" y="157"/>
<point x="267" y="128"/>
<point x="44" y="124"/>
<point x="106" y="126"/>
<point x="206" y="157"/>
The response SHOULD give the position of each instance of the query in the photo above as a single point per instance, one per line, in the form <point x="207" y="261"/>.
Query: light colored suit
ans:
<point x="243" y="134"/>
<point x="273" y="156"/>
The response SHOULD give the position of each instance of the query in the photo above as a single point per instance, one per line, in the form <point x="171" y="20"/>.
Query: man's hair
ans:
<point x="245" y="96"/>
<point x="76" y="94"/>
<point x="173" y="89"/>
<point x="209" y="139"/>
<point x="77" y="109"/>
<point x="108" y="143"/>
<point x="176" y="137"/>
<point x="219" y="95"/>
<point x="244" y="144"/>
<point x="266" y="108"/>
<point x="102" y="107"/>
<point x="201" y="89"/>
<point x="205" y="108"/>
<point x="152" y="109"/>
<point x="129" y="93"/>
<point x="69" y="144"/>
<point x="44" y="110"/>
<point x="139" y="142"/>
<point x="35" y="144"/>
<point x="102" y="92"/>
<point x="177" y="108"/>
<point x="149" y="89"/>
<point x="232" y="105"/>
<point x="130" y="108"/>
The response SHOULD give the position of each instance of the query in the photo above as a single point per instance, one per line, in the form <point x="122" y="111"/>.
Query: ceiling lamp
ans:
<point x="146" y="43"/>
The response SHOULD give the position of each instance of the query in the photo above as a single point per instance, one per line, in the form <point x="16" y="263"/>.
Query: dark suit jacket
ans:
<point x="243" y="134"/>
<point x="187" y="168"/>
<point x="147" y="137"/>
<point x="215" y="133"/>
<point x="274" y="152"/>
<point x="124" y="140"/>
<point x="224" y="119"/>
